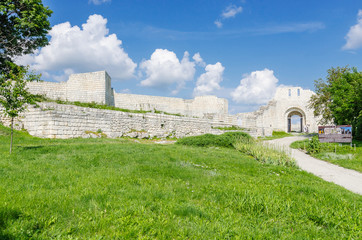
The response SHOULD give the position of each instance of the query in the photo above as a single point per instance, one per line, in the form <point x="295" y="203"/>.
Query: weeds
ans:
<point x="102" y="188"/>
<point x="207" y="140"/>
<point x="265" y="152"/>
<point x="344" y="155"/>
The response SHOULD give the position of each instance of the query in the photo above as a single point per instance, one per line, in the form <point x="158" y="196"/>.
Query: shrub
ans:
<point x="358" y="127"/>
<point x="314" y="146"/>
<point x="207" y="140"/>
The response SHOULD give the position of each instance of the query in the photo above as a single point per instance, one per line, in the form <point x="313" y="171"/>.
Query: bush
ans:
<point x="207" y="140"/>
<point x="314" y="145"/>
<point x="358" y="127"/>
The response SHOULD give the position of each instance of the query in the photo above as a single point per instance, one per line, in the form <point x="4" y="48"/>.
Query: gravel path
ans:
<point x="349" y="179"/>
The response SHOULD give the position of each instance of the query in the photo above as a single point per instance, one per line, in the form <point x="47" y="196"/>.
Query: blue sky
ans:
<point x="239" y="50"/>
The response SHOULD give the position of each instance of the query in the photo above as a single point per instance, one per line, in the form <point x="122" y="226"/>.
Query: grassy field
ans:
<point x="278" y="134"/>
<point x="120" y="189"/>
<point x="339" y="154"/>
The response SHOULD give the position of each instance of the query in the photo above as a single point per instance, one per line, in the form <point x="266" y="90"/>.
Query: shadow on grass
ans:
<point x="29" y="147"/>
<point x="7" y="215"/>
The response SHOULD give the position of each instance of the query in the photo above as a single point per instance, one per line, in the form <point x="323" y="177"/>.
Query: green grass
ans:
<point x="229" y="128"/>
<point x="265" y="153"/>
<point x="117" y="189"/>
<point x="207" y="140"/>
<point x="339" y="154"/>
<point x="278" y="134"/>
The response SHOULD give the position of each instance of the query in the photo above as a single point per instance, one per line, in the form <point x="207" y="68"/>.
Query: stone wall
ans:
<point x="96" y="87"/>
<point x="202" y="106"/>
<point x="274" y="116"/>
<point x="84" y="87"/>
<point x="51" y="120"/>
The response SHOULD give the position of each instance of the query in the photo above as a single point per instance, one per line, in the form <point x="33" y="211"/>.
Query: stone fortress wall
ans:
<point x="199" y="115"/>
<point x="276" y="115"/>
<point x="52" y="120"/>
<point x="83" y="87"/>
<point x="96" y="87"/>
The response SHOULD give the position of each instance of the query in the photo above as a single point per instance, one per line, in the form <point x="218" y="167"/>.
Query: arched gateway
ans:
<point x="288" y="111"/>
<point x="295" y="120"/>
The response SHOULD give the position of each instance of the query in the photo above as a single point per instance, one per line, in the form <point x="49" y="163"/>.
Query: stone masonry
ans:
<point x="276" y="116"/>
<point x="96" y="87"/>
<point x="51" y="120"/>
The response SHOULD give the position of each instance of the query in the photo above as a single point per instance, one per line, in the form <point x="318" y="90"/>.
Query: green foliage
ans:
<point x="278" y="134"/>
<point x="314" y="145"/>
<point x="23" y="28"/>
<point x="281" y="134"/>
<point x="265" y="153"/>
<point x="339" y="98"/>
<point x="209" y="140"/>
<point x="229" y="128"/>
<point x="117" y="189"/>
<point x="344" y="155"/>
<point x="13" y="92"/>
<point x="357" y="127"/>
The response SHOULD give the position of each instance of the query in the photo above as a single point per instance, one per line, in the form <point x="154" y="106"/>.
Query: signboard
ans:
<point x="340" y="134"/>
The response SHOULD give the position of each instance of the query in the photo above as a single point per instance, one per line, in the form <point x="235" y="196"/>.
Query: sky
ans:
<point x="241" y="50"/>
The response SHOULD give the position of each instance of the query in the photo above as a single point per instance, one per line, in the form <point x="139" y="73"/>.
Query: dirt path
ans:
<point x="349" y="179"/>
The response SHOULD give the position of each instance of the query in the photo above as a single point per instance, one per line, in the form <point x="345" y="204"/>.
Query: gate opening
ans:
<point x="295" y="122"/>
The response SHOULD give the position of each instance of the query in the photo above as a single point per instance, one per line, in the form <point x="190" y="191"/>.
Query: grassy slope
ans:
<point x="278" y="134"/>
<point x="355" y="163"/>
<point x="89" y="188"/>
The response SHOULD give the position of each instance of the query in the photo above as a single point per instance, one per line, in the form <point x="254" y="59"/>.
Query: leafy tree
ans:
<point x="339" y="98"/>
<point x="23" y="28"/>
<point x="13" y="93"/>
<point x="24" y="25"/>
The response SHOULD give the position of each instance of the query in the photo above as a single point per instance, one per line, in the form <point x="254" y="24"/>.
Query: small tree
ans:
<point x="14" y="94"/>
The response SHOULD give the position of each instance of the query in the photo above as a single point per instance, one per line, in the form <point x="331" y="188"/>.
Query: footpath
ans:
<point x="349" y="179"/>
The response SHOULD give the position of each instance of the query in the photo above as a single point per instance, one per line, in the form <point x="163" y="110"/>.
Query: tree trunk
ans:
<point x="11" y="141"/>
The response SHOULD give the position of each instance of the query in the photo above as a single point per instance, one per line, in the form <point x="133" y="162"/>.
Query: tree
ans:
<point x="23" y="28"/>
<point x="339" y="98"/>
<point x="24" y="25"/>
<point x="13" y="93"/>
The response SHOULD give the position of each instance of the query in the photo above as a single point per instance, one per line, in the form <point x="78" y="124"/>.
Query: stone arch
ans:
<point x="295" y="111"/>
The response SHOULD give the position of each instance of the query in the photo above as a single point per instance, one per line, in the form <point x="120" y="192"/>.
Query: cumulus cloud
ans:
<point x="229" y="12"/>
<point x="164" y="69"/>
<point x="86" y="49"/>
<point x="256" y="88"/>
<point x="209" y="81"/>
<point x="354" y="36"/>
<point x="98" y="2"/>
<point x="198" y="60"/>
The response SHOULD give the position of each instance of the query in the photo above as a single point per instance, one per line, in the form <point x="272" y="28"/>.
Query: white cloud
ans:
<point x="231" y="11"/>
<point x="209" y="81"/>
<point x="98" y="2"/>
<point x="164" y="69"/>
<point x="256" y="88"/>
<point x="218" y="23"/>
<point x="198" y="60"/>
<point x="354" y="36"/>
<point x="73" y="49"/>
